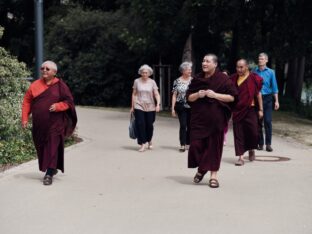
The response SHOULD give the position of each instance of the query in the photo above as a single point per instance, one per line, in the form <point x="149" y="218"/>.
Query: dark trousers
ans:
<point x="266" y="121"/>
<point x="144" y="121"/>
<point x="184" y="115"/>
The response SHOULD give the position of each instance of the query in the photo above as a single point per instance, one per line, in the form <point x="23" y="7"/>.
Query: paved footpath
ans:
<point x="108" y="187"/>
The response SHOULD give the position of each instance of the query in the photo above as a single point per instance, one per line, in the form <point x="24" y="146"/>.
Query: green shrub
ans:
<point x="15" y="143"/>
<point x="16" y="151"/>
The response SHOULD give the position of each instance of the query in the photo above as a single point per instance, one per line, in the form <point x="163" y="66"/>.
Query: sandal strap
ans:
<point x="198" y="177"/>
<point x="214" y="183"/>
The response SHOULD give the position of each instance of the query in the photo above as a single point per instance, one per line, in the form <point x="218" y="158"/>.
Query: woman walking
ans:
<point x="144" y="94"/>
<point x="179" y="105"/>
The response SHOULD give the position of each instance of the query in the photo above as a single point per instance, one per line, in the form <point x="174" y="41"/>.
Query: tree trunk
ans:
<point x="300" y="77"/>
<point x="188" y="52"/>
<point x="234" y="49"/>
<point x="280" y="76"/>
<point x="291" y="78"/>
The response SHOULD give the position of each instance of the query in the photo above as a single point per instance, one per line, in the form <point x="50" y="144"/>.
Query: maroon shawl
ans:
<point x="47" y="125"/>
<point x="248" y="92"/>
<point x="208" y="115"/>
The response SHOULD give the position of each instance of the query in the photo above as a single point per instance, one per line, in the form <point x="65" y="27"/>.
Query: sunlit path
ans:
<point x="109" y="187"/>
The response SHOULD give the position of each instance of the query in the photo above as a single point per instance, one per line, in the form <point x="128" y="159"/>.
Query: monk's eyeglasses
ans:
<point x="45" y="68"/>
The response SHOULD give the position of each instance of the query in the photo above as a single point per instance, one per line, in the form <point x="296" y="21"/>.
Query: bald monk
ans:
<point x="245" y="116"/>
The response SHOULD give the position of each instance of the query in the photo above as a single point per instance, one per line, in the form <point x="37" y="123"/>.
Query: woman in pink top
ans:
<point x="144" y="94"/>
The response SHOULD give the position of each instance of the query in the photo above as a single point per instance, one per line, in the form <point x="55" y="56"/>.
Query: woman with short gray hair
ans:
<point x="179" y="105"/>
<point x="144" y="94"/>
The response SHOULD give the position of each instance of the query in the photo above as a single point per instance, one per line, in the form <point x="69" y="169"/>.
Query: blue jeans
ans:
<point x="266" y="121"/>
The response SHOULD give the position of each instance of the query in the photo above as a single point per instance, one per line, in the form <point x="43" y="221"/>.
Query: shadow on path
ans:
<point x="30" y="176"/>
<point x="184" y="180"/>
<point x="132" y="148"/>
<point x="169" y="147"/>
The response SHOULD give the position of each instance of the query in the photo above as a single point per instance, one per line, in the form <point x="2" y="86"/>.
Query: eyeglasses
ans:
<point x="45" y="68"/>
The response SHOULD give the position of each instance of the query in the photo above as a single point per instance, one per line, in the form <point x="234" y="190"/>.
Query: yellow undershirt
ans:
<point x="240" y="80"/>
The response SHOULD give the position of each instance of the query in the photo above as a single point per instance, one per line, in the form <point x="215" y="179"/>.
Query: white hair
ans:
<point x="145" y="67"/>
<point x="185" y="65"/>
<point x="51" y="63"/>
<point x="264" y="55"/>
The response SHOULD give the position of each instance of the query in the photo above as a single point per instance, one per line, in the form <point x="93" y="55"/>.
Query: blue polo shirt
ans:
<point x="269" y="85"/>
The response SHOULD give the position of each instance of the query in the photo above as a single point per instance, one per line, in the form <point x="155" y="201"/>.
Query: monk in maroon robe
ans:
<point x="245" y="116"/>
<point x="209" y="95"/>
<point x="51" y="104"/>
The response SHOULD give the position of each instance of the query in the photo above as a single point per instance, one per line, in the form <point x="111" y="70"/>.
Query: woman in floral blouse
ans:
<point x="179" y="104"/>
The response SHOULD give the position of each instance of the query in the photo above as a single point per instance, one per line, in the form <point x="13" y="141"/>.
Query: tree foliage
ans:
<point x="106" y="40"/>
<point x="93" y="59"/>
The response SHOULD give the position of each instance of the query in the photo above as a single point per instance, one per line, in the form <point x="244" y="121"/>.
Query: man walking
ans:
<point x="210" y="95"/>
<point x="268" y="91"/>
<point x="245" y="116"/>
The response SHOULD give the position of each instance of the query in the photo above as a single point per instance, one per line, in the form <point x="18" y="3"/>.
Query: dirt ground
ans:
<point x="289" y="126"/>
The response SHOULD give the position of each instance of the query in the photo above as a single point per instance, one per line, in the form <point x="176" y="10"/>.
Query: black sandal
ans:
<point x="213" y="183"/>
<point x="198" y="177"/>
<point x="47" y="180"/>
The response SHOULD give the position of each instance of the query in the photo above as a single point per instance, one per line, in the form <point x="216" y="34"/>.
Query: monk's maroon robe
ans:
<point x="49" y="128"/>
<point x="245" y="117"/>
<point x="208" y="120"/>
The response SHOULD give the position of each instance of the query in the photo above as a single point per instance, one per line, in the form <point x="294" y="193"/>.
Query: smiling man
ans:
<point x="49" y="99"/>
<point x="209" y="95"/>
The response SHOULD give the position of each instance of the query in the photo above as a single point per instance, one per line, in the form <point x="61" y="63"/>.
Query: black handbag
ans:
<point x="132" y="127"/>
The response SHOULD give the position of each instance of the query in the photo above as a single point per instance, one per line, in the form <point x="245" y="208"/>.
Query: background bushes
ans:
<point x="95" y="62"/>
<point x="15" y="143"/>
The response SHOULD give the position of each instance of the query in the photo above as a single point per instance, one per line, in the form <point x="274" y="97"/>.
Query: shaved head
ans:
<point x="242" y="67"/>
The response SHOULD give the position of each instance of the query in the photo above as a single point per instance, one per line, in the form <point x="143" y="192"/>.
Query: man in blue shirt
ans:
<point x="268" y="91"/>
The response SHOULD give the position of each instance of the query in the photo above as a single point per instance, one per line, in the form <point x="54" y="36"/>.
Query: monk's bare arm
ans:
<point x="194" y="96"/>
<point x="219" y="96"/>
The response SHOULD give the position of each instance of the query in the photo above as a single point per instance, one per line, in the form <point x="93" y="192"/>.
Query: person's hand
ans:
<point x="173" y="113"/>
<point x="210" y="93"/>
<point x="52" y="108"/>
<point x="201" y="93"/>
<point x="276" y="105"/>
<point x="260" y="114"/>
<point x="157" y="108"/>
<point x="131" y="110"/>
<point x="24" y="124"/>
